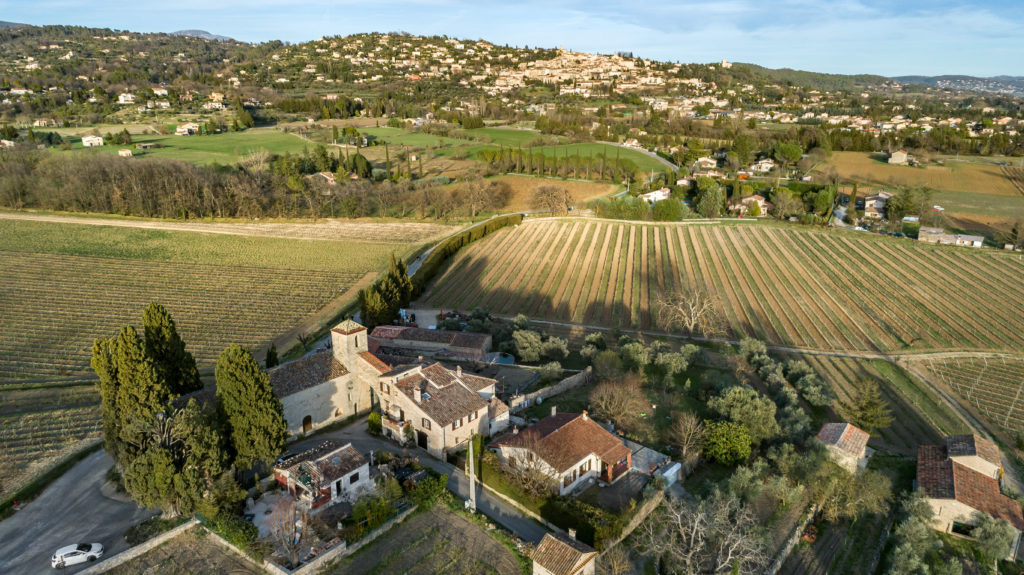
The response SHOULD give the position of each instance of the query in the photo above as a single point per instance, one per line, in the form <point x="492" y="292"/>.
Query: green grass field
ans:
<point x="504" y="136"/>
<point x="225" y="148"/>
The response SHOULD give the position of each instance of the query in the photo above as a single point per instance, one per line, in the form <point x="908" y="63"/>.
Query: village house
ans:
<point x="656" y="195"/>
<point x="962" y="478"/>
<point x="186" y="129"/>
<point x="440" y="409"/>
<point x="570" y="448"/>
<point x="763" y="166"/>
<point x="899" y="158"/>
<point x="847" y="445"/>
<point x="706" y="163"/>
<point x="744" y="205"/>
<point x="560" y="554"/>
<point x="874" y="206"/>
<point x="91" y="141"/>
<point x="124" y="153"/>
<point x="939" y="236"/>
<point x="326" y="474"/>
<point x="436" y="343"/>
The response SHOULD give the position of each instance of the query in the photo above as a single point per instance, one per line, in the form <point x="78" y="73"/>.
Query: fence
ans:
<point x="521" y="402"/>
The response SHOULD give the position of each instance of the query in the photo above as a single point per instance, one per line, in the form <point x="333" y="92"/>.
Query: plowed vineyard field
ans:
<point x="788" y="286"/>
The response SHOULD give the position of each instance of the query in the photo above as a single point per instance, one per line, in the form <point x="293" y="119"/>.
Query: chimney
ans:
<point x="515" y="430"/>
<point x="584" y="415"/>
<point x="417" y="394"/>
<point x="554" y="409"/>
<point x="572" y="533"/>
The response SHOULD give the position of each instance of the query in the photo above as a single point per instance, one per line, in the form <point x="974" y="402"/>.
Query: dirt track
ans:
<point x="322" y="230"/>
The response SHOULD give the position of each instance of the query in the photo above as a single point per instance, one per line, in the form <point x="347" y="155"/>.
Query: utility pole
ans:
<point x="471" y="504"/>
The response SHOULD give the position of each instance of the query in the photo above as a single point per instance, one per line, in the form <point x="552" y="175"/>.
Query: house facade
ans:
<point x="874" y="206"/>
<point x="437" y="408"/>
<point x="559" y="554"/>
<point x="327" y="474"/>
<point x="92" y="141"/>
<point x="962" y="478"/>
<point x="847" y="445"/>
<point x="570" y="448"/>
<point x="899" y="157"/>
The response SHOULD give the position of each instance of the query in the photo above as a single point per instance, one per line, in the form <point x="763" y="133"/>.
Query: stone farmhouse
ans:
<point x="743" y="205"/>
<point x="571" y="448"/>
<point x="939" y="236"/>
<point x="92" y="141"/>
<point x="899" y="157"/>
<point x="436" y="343"/>
<point x="847" y="445"/>
<point x="559" y="554"/>
<point x="327" y="474"/>
<point x="962" y="478"/>
<point x="439" y="408"/>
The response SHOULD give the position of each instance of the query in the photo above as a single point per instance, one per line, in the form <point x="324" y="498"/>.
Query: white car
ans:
<point x="75" y="554"/>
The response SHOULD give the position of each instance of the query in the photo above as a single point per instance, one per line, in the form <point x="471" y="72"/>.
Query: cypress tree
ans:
<point x="249" y="413"/>
<point x="103" y="365"/>
<point x="271" y="359"/>
<point x="141" y="392"/>
<point x="177" y="367"/>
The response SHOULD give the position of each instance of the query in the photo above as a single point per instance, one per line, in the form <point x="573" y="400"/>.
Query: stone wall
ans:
<point x="521" y="402"/>
<point x="648" y="507"/>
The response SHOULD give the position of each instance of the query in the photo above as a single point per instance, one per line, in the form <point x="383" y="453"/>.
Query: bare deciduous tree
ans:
<point x="714" y="536"/>
<point x="620" y="401"/>
<point x="527" y="467"/>
<point x="554" y="199"/>
<point x="615" y="561"/>
<point x="693" y="311"/>
<point x="687" y="435"/>
<point x="289" y="528"/>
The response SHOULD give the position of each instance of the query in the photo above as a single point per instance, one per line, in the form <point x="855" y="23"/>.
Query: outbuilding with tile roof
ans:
<point x="559" y="554"/>
<point x="847" y="445"/>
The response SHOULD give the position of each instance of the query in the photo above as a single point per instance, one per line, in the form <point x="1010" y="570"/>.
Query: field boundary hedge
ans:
<point x="449" y="246"/>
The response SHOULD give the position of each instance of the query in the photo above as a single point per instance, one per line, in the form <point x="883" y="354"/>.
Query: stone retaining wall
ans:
<point x="521" y="402"/>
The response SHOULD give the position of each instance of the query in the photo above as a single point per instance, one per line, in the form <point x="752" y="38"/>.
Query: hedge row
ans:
<point x="450" y="246"/>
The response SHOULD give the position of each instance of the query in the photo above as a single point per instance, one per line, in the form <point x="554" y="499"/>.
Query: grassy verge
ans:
<point x="28" y="492"/>
<point x="931" y="409"/>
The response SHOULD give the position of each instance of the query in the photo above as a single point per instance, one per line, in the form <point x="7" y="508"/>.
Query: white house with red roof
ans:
<point x="847" y="445"/>
<point x="961" y="479"/>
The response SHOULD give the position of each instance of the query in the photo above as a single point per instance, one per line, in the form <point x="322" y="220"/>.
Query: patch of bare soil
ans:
<point x="194" y="552"/>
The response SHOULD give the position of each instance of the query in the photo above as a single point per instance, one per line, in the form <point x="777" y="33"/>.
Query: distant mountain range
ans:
<point x="9" y="24"/>
<point x="1012" y="85"/>
<point x="202" y="34"/>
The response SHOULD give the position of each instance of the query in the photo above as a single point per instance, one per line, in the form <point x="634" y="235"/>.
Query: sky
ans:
<point x="885" y="37"/>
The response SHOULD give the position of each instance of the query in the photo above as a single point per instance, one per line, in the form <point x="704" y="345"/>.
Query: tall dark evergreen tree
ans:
<point x="103" y="364"/>
<point x="249" y="413"/>
<point x="141" y="391"/>
<point x="163" y="344"/>
<point x="271" y="360"/>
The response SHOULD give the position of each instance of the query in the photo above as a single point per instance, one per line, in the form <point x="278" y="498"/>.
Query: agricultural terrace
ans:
<point x="65" y="285"/>
<point x="793" y="287"/>
<point x="226" y="148"/>
<point x="993" y="386"/>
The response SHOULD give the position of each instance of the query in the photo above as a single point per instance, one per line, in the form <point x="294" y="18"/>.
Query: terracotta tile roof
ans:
<point x="845" y="437"/>
<point x="449" y="338"/>
<point x="314" y="369"/>
<point x="563" y="439"/>
<point x="445" y="396"/>
<point x="496" y="407"/>
<point x="375" y="362"/>
<point x="561" y="554"/>
<point x="935" y="472"/>
<point x="957" y="445"/>
<point x="348" y="327"/>
<point x="943" y="478"/>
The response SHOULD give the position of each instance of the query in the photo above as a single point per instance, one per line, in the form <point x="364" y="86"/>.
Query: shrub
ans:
<point x="593" y="525"/>
<point x="551" y="371"/>
<point x="727" y="442"/>
<point x="374" y="423"/>
<point x="430" y="491"/>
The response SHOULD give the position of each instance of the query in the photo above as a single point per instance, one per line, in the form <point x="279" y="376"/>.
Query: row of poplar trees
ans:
<point x="183" y="457"/>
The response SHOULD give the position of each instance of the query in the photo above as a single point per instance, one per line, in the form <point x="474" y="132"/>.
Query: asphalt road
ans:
<point x="526" y="528"/>
<point x="71" y="510"/>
